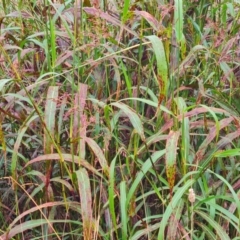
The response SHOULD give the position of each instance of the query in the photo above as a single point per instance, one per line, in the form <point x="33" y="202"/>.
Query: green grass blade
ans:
<point x="228" y="153"/>
<point x="124" y="217"/>
<point x="128" y="81"/>
<point x="185" y="144"/>
<point x="49" y="117"/>
<point x="218" y="229"/>
<point x="17" y="144"/>
<point x="172" y="205"/>
<point x="3" y="82"/>
<point x="29" y="225"/>
<point x="133" y="117"/>
<point x="162" y="65"/>
<point x="53" y="43"/>
<point x="125" y="11"/>
<point x="111" y="192"/>
<point x="178" y="19"/>
<point x="141" y="174"/>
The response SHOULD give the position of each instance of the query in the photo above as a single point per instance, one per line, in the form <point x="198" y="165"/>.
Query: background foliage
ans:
<point x="119" y="119"/>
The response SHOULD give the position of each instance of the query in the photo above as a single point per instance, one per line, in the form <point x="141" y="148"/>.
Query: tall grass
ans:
<point x="119" y="120"/>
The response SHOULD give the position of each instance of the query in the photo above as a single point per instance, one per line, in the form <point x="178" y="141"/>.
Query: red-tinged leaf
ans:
<point x="212" y="134"/>
<point x="113" y="20"/>
<point x="67" y="157"/>
<point x="194" y="112"/>
<point x="86" y="203"/>
<point x="171" y="155"/>
<point x="173" y="228"/>
<point x="98" y="153"/>
<point x="200" y="110"/>
<point x="228" y="139"/>
<point x="188" y="61"/>
<point x="80" y="120"/>
<point x="63" y="57"/>
<point x="31" y="224"/>
<point x="98" y="13"/>
<point x="151" y="20"/>
<point x="38" y="208"/>
<point x="16" y="14"/>
<point x="21" y="227"/>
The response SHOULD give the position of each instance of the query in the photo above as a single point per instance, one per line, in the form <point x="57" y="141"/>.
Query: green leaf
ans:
<point x="141" y="174"/>
<point x="3" y="82"/>
<point x="29" y="225"/>
<point x="218" y="229"/>
<point x="125" y="12"/>
<point x="172" y="205"/>
<point x="133" y="117"/>
<point x="178" y="20"/>
<point x="18" y="142"/>
<point x="228" y="153"/>
<point x="162" y="65"/>
<point x="111" y="191"/>
<point x="124" y="217"/>
<point x="50" y="116"/>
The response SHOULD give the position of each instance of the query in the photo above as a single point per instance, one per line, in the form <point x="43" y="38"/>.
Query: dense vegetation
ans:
<point x="119" y="119"/>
